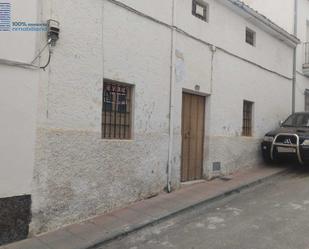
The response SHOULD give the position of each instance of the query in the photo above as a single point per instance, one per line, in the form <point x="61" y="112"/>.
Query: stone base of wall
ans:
<point x="233" y="154"/>
<point x="78" y="175"/>
<point x="15" y="217"/>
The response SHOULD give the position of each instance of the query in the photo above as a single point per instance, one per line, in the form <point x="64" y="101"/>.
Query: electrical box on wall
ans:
<point x="216" y="166"/>
<point x="53" y="31"/>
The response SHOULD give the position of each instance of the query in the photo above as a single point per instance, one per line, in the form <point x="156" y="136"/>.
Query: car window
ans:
<point x="297" y="120"/>
<point x="305" y="121"/>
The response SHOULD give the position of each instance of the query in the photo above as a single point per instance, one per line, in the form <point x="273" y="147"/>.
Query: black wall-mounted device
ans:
<point x="53" y="31"/>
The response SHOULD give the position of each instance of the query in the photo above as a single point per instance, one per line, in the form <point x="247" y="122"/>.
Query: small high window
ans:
<point x="250" y="37"/>
<point x="247" y="118"/>
<point x="116" y="111"/>
<point x="200" y="9"/>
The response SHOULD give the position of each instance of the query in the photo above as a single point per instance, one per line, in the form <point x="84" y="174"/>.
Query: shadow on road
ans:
<point x="294" y="168"/>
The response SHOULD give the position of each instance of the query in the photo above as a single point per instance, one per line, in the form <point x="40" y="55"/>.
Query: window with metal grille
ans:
<point x="117" y="111"/>
<point x="247" y="119"/>
<point x="250" y="37"/>
<point x="307" y="100"/>
<point x="200" y="9"/>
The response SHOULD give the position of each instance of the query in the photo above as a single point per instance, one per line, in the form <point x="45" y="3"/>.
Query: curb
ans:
<point x="208" y="201"/>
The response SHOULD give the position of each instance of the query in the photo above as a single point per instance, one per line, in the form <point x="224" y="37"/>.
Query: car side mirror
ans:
<point x="280" y="123"/>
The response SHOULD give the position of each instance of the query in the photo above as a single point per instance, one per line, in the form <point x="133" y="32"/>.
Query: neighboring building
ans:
<point x="18" y="110"/>
<point x="139" y="96"/>
<point x="283" y="13"/>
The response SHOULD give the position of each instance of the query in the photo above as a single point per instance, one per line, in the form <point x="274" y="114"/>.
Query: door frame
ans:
<point x="205" y="95"/>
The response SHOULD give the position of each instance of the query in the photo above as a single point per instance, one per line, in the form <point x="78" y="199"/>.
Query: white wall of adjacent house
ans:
<point x="302" y="31"/>
<point x="18" y="103"/>
<point x="302" y="81"/>
<point x="78" y="174"/>
<point x="282" y="13"/>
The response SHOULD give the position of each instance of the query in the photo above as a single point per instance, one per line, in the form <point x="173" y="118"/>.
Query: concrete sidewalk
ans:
<point x="104" y="228"/>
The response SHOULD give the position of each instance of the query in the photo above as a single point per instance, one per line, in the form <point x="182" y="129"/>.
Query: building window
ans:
<point x="307" y="100"/>
<point x="200" y="9"/>
<point x="250" y="37"/>
<point x="117" y="111"/>
<point x="247" y="119"/>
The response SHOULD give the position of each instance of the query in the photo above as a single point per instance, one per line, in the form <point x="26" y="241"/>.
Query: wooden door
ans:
<point x="193" y="122"/>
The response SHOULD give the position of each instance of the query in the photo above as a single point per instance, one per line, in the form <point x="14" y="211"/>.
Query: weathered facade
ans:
<point x="293" y="16"/>
<point x="162" y="55"/>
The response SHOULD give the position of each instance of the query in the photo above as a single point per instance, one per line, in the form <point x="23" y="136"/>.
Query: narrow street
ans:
<point x="270" y="216"/>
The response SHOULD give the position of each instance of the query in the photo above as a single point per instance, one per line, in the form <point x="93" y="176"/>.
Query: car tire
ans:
<point x="267" y="159"/>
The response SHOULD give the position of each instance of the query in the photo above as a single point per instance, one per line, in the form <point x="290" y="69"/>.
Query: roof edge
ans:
<point x="266" y="22"/>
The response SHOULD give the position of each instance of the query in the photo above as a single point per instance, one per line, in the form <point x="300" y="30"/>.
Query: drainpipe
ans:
<point x="171" y="107"/>
<point x="294" y="56"/>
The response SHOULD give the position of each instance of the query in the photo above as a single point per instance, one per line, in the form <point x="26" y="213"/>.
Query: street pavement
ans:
<point x="104" y="228"/>
<point x="273" y="215"/>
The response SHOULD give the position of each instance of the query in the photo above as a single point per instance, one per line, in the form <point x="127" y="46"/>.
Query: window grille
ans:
<point x="247" y="119"/>
<point x="117" y="111"/>
<point x="250" y="36"/>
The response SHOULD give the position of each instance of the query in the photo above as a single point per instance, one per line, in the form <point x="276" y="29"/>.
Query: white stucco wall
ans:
<point x="282" y="13"/>
<point x="232" y="85"/>
<point x="77" y="174"/>
<point x="18" y="104"/>
<point x="159" y="9"/>
<point x="227" y="30"/>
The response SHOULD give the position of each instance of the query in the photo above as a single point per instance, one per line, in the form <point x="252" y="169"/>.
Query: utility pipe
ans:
<point x="171" y="107"/>
<point x="294" y="56"/>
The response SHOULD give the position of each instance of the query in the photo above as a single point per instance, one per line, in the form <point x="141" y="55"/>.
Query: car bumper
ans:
<point x="273" y="151"/>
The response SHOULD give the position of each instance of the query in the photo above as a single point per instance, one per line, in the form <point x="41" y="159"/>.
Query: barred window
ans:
<point x="200" y="9"/>
<point x="117" y="111"/>
<point x="247" y="118"/>
<point x="307" y="100"/>
<point x="250" y="37"/>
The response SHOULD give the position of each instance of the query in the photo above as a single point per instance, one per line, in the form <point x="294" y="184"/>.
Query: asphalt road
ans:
<point x="270" y="216"/>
